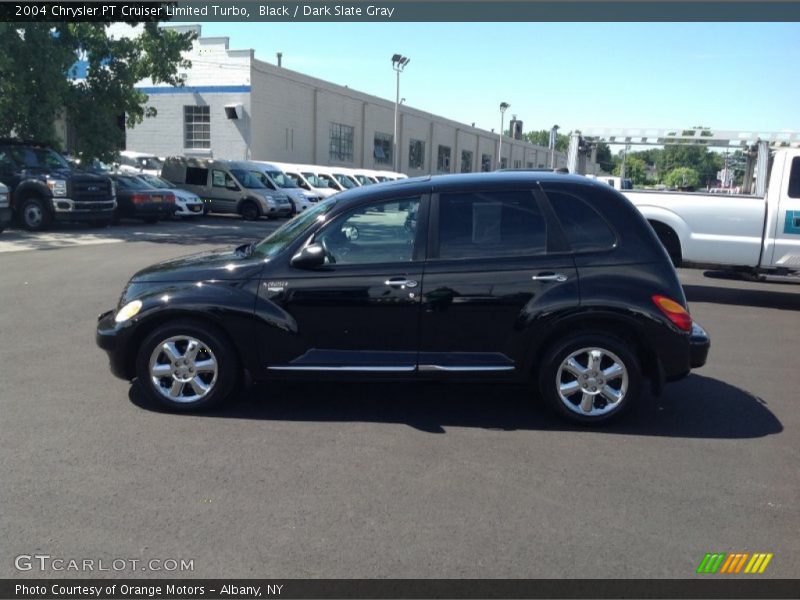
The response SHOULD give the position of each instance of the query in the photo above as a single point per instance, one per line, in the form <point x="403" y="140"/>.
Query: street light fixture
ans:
<point x="503" y="107"/>
<point x="399" y="62"/>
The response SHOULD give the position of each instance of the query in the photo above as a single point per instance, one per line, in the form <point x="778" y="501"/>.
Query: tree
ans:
<point x="682" y="177"/>
<point x="542" y="138"/>
<point x="38" y="82"/>
<point x="635" y="169"/>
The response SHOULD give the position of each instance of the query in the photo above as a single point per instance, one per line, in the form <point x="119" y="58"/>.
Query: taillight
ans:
<point x="170" y="198"/>
<point x="140" y="198"/>
<point x="674" y="312"/>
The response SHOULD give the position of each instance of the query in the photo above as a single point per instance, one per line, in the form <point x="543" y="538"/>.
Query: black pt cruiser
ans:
<point x="507" y="276"/>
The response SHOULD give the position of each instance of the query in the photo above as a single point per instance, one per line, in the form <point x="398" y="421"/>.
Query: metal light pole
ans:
<point x="624" y="157"/>
<point x="399" y="63"/>
<point x="553" y="139"/>
<point x="503" y="107"/>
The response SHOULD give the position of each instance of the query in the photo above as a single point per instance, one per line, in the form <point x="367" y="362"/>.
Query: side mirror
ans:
<point x="310" y="257"/>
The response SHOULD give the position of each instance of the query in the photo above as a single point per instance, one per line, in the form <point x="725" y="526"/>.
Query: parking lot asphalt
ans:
<point x="364" y="480"/>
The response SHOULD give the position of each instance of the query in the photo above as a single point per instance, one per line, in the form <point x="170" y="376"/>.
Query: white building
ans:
<point x="235" y="106"/>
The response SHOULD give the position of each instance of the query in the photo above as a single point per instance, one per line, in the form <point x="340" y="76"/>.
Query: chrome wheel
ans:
<point x="592" y="382"/>
<point x="183" y="369"/>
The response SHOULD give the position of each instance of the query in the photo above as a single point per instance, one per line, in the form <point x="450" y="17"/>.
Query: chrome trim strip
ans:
<point x="454" y="368"/>
<point x="386" y="369"/>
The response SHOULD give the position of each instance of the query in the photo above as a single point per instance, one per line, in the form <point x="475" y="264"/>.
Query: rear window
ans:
<point x="490" y="224"/>
<point x="585" y="228"/>
<point x="196" y="176"/>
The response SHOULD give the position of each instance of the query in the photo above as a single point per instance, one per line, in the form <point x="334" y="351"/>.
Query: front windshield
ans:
<point x="344" y="180"/>
<point x="314" y="181"/>
<point x="37" y="158"/>
<point x="281" y="179"/>
<point x="291" y="230"/>
<point x="249" y="179"/>
<point x="363" y="179"/>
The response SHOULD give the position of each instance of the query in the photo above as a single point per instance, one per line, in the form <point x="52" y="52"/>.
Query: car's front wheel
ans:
<point x="590" y="378"/>
<point x="187" y="366"/>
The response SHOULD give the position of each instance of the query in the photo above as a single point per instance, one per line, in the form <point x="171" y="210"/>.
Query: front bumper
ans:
<point x="67" y="209"/>
<point x="5" y="216"/>
<point x="189" y="210"/>
<point x="113" y="337"/>
<point x="699" y="343"/>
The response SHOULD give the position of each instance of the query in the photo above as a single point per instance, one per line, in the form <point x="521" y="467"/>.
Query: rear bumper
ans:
<point x="699" y="343"/>
<point x="154" y="209"/>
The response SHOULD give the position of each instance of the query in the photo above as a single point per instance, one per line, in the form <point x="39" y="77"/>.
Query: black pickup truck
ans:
<point x="45" y="187"/>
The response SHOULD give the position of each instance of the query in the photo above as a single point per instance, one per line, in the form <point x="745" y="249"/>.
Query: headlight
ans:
<point x="130" y="310"/>
<point x="57" y="186"/>
<point x="270" y="200"/>
<point x="3" y="200"/>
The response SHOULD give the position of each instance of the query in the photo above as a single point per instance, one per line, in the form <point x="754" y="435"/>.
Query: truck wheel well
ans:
<point x="670" y="240"/>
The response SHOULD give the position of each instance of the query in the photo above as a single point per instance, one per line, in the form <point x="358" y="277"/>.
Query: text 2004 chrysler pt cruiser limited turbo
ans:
<point x="505" y="276"/>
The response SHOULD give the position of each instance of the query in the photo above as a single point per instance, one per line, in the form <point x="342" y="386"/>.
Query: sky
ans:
<point x="739" y="76"/>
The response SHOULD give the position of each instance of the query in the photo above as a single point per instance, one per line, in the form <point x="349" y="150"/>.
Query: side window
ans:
<point x="490" y="224"/>
<point x="219" y="178"/>
<point x="196" y="176"/>
<point x="585" y="228"/>
<point x="794" y="179"/>
<point x="377" y="233"/>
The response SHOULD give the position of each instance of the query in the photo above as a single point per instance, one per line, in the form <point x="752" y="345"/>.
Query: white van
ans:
<point x="341" y="176"/>
<point x="363" y="176"/>
<point x="616" y="182"/>
<point x="324" y="179"/>
<point x="302" y="199"/>
<point x="227" y="186"/>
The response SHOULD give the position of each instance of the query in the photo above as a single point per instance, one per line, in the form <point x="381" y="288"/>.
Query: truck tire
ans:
<point x="34" y="214"/>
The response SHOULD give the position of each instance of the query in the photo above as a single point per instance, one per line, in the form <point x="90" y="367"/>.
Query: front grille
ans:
<point x="90" y="189"/>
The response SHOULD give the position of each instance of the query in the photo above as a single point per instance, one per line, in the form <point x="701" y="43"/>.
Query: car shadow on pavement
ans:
<point x="697" y="407"/>
<point x="742" y="297"/>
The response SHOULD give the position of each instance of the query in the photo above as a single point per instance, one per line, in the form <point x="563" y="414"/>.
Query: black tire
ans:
<point x="225" y="379"/>
<point x="35" y="215"/>
<point x="250" y="211"/>
<point x="599" y="384"/>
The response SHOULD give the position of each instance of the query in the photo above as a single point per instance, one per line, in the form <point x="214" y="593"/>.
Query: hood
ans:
<point x="60" y="173"/>
<point x="219" y="265"/>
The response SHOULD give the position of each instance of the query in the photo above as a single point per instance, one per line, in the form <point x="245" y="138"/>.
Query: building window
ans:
<point x="383" y="145"/>
<point x="443" y="161"/>
<point x="486" y="163"/>
<point x="342" y="142"/>
<point x="196" y="127"/>
<point x="529" y="165"/>
<point x="517" y="164"/>
<point x="466" y="161"/>
<point x="504" y="163"/>
<point x="416" y="154"/>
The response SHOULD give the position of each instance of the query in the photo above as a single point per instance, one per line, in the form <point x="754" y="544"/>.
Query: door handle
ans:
<point x="399" y="282"/>
<point x="560" y="277"/>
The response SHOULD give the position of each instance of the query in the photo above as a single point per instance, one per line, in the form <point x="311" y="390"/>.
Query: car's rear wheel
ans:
<point x="590" y="378"/>
<point x="187" y="366"/>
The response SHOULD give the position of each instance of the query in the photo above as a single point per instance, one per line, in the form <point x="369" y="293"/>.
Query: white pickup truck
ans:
<point x="760" y="234"/>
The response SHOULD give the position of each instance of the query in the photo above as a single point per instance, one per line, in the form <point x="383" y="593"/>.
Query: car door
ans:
<point x="496" y="267"/>
<point x="359" y="311"/>
<point x="226" y="193"/>
<point x="786" y="249"/>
